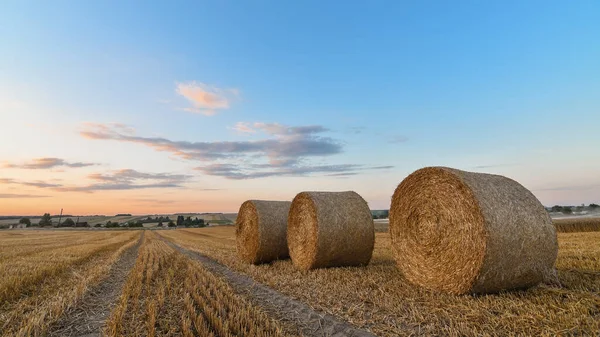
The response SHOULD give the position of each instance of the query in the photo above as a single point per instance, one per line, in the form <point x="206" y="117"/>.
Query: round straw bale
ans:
<point x="463" y="232"/>
<point x="330" y="229"/>
<point x="260" y="232"/>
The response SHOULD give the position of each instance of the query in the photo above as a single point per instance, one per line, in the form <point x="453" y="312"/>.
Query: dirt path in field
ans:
<point x="304" y="319"/>
<point x="88" y="315"/>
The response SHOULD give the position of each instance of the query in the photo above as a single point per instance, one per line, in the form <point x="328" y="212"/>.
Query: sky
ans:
<point x="162" y="107"/>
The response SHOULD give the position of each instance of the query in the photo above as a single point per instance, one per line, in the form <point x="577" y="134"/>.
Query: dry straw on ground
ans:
<point x="330" y="229"/>
<point x="261" y="228"/>
<point x="463" y="232"/>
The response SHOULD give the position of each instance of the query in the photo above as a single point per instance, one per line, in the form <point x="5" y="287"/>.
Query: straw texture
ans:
<point x="330" y="229"/>
<point x="261" y="228"/>
<point x="463" y="232"/>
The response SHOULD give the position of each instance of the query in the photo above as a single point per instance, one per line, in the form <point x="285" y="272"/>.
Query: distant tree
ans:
<point x="68" y="223"/>
<point x="171" y="224"/>
<point x="556" y="208"/>
<point x="567" y="210"/>
<point x="98" y="225"/>
<point x="111" y="224"/>
<point x="167" y="219"/>
<point x="46" y="220"/>
<point x="160" y="224"/>
<point x="180" y="220"/>
<point x="25" y="221"/>
<point x="593" y="206"/>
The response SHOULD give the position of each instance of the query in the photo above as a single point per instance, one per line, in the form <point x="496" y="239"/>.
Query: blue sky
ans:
<point x="336" y="96"/>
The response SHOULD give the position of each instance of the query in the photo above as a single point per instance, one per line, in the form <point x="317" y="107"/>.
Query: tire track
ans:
<point x="305" y="319"/>
<point x="87" y="317"/>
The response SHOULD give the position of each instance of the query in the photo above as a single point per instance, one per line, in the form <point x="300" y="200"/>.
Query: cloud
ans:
<point x="115" y="187"/>
<point x="126" y="179"/>
<point x="21" y="196"/>
<point x="205" y="99"/>
<point x="129" y="179"/>
<point x="397" y="139"/>
<point x="236" y="172"/>
<point x="286" y="152"/>
<point x="38" y="183"/>
<point x="243" y="128"/>
<point x="289" y="142"/>
<point x="356" y="129"/>
<point x="129" y="175"/>
<point x="47" y="163"/>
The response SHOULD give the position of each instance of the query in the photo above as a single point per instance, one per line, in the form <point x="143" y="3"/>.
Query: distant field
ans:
<point x="565" y="225"/>
<point x="577" y="225"/>
<point x="213" y="218"/>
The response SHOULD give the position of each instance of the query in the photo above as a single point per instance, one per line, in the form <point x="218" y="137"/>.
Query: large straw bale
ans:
<point x="330" y="229"/>
<point x="463" y="232"/>
<point x="261" y="228"/>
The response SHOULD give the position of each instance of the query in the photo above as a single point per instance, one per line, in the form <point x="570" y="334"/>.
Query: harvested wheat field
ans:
<point x="377" y="297"/>
<point x="191" y="282"/>
<point x="44" y="273"/>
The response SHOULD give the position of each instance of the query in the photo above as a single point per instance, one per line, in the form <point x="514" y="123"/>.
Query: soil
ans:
<point x="87" y="316"/>
<point x="299" y="317"/>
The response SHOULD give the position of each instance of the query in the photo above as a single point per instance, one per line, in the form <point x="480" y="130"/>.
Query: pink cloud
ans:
<point x="206" y="99"/>
<point x="243" y="127"/>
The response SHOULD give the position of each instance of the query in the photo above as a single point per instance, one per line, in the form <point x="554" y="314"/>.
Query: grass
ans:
<point x="43" y="273"/>
<point x="380" y="299"/>
<point x="577" y="225"/>
<point x="169" y="294"/>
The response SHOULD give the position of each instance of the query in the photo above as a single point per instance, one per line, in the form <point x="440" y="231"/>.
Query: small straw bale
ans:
<point x="330" y="229"/>
<point x="260" y="232"/>
<point x="463" y="232"/>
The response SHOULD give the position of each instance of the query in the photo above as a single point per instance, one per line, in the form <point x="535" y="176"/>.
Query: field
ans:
<point x="189" y="282"/>
<point x="212" y="218"/>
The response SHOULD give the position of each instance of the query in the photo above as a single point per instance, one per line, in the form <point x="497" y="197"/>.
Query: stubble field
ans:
<point x="189" y="282"/>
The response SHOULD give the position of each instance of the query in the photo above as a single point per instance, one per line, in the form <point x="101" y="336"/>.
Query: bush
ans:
<point x="171" y="224"/>
<point x="46" y="220"/>
<point x="25" y="221"/>
<point x="68" y="223"/>
<point x="110" y="224"/>
<point x="136" y="224"/>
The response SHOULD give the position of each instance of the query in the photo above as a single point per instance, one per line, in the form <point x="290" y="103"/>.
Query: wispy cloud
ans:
<point x="397" y="139"/>
<point x="243" y="128"/>
<point x="21" y="196"/>
<point x="38" y="183"/>
<point x="285" y="152"/>
<point x="289" y="142"/>
<point x="237" y="172"/>
<point x="205" y="99"/>
<point x="47" y="163"/>
<point x="356" y="129"/>
<point x="126" y="179"/>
